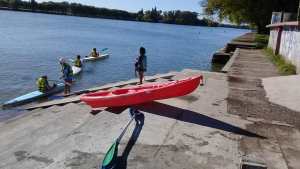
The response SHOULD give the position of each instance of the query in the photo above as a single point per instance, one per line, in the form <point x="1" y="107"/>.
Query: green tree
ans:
<point x="33" y="5"/>
<point x="77" y="9"/>
<point x="14" y="4"/>
<point x="153" y="15"/>
<point x="254" y="12"/>
<point x="169" y="17"/>
<point x="140" y="15"/>
<point x="4" y="3"/>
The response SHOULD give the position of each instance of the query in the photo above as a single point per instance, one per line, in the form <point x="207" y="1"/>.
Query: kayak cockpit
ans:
<point x="120" y="92"/>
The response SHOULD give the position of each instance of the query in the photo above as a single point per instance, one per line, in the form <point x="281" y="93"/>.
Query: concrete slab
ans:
<point x="231" y="61"/>
<point x="279" y="151"/>
<point x="193" y="131"/>
<point x="39" y="132"/>
<point x="284" y="91"/>
<point x="279" y="125"/>
<point x="187" y="132"/>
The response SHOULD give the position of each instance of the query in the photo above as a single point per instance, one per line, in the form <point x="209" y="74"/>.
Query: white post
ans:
<point x="298" y="17"/>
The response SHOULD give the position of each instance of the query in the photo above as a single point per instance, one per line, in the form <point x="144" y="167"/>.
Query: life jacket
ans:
<point x="78" y="63"/>
<point x="42" y="84"/>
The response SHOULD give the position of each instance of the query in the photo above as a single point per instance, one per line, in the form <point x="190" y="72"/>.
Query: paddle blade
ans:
<point x="110" y="158"/>
<point x="104" y="49"/>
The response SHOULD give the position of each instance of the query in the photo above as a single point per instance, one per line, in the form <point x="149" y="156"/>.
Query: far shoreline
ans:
<point x="95" y="17"/>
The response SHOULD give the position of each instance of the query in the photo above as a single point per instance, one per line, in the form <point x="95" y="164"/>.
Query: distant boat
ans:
<point x="103" y="56"/>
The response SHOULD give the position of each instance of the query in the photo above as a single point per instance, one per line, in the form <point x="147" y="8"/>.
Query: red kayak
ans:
<point x="142" y="93"/>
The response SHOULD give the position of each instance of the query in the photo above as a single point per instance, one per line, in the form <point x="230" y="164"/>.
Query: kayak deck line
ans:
<point x="75" y="96"/>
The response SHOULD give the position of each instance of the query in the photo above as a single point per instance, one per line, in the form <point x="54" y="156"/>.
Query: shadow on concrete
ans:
<point x="122" y="160"/>
<point x="115" y="110"/>
<point x="193" y="117"/>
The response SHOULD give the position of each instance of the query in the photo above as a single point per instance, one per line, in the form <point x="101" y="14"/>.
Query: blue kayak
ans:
<point x="33" y="96"/>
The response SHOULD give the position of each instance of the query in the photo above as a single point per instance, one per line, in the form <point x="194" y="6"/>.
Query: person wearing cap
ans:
<point x="43" y="84"/>
<point x="67" y="75"/>
<point x="94" y="53"/>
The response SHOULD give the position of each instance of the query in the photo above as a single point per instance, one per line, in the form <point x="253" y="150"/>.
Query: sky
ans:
<point x="136" y="5"/>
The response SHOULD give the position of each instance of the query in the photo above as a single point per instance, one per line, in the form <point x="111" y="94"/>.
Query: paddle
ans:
<point x="110" y="157"/>
<point x="104" y="49"/>
<point x="56" y="81"/>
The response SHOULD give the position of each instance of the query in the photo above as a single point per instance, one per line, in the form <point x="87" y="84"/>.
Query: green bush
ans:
<point x="284" y="67"/>
<point x="261" y="40"/>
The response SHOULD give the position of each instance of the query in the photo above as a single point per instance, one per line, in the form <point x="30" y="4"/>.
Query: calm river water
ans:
<point x="31" y="44"/>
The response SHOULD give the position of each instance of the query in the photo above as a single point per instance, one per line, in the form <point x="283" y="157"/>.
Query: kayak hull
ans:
<point x="33" y="96"/>
<point x="103" y="56"/>
<point x="76" y="70"/>
<point x="142" y="93"/>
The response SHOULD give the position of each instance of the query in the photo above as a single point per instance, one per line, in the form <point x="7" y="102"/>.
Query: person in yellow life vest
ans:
<point x="94" y="53"/>
<point x="43" y="84"/>
<point x="78" y="62"/>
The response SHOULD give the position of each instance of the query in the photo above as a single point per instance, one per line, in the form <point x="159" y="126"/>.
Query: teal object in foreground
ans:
<point x="33" y="96"/>
<point x="109" y="161"/>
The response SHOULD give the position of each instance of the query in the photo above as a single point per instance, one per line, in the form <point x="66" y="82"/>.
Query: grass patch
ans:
<point x="261" y="40"/>
<point x="284" y="67"/>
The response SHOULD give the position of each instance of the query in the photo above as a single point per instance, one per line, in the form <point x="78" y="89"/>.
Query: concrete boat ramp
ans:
<point x="194" y="131"/>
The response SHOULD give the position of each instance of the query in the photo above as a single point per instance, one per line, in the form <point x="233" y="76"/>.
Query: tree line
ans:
<point x="77" y="9"/>
<point x="257" y="13"/>
<point x="173" y="17"/>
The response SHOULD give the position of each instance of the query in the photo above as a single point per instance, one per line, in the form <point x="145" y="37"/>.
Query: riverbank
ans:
<point x="230" y="122"/>
<point x="253" y="82"/>
<point x="58" y="13"/>
<point x="63" y="36"/>
<point x="247" y="99"/>
<point x="223" y="55"/>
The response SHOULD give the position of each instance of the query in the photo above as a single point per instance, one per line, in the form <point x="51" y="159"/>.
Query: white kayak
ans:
<point x="103" y="56"/>
<point x="76" y="70"/>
